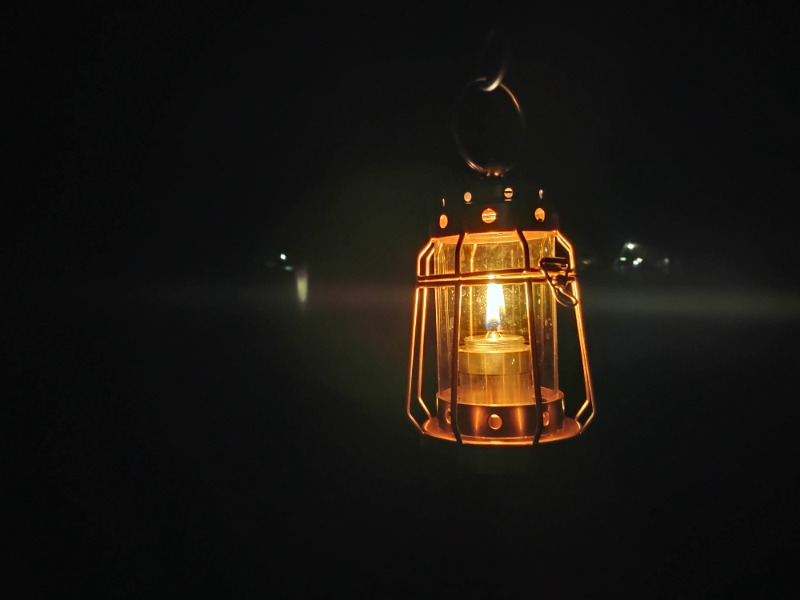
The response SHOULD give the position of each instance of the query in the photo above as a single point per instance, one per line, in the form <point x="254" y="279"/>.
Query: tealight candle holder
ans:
<point x="492" y="283"/>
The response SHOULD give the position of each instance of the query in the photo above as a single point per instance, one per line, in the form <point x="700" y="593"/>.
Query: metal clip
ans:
<point x="556" y="271"/>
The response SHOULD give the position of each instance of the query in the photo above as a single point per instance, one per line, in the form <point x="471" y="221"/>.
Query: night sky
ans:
<point x="191" y="141"/>
<point x="192" y="430"/>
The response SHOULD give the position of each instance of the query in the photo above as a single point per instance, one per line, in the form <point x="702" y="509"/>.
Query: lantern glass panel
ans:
<point x="494" y="362"/>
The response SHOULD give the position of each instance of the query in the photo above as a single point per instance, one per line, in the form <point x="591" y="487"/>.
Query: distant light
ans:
<point x="283" y="256"/>
<point x="637" y="261"/>
<point x="630" y="245"/>
<point x="623" y="258"/>
<point x="288" y="268"/>
<point x="302" y="285"/>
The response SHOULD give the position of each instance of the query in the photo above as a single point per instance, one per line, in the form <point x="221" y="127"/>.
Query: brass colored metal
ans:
<point x="493" y="363"/>
<point x="533" y="413"/>
<point x="482" y="420"/>
<point x="494" y="424"/>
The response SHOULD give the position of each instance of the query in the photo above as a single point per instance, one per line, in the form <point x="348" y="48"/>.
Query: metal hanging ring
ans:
<point x="494" y="61"/>
<point x="492" y="165"/>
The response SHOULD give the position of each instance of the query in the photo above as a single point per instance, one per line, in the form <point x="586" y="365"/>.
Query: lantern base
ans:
<point x="432" y="428"/>
<point x="496" y="424"/>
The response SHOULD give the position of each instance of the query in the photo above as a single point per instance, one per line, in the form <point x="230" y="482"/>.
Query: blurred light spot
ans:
<point x="302" y="286"/>
<point x="763" y="305"/>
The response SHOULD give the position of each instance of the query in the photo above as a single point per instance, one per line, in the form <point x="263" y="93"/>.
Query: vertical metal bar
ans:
<point x="537" y="388"/>
<point x="471" y="290"/>
<point x="587" y="380"/>
<point x="418" y="322"/>
<point x="424" y="257"/>
<point x="454" y="346"/>
<point x="411" y="363"/>
<point x="426" y="292"/>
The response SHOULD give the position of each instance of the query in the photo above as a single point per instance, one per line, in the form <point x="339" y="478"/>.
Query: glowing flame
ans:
<point x="495" y="306"/>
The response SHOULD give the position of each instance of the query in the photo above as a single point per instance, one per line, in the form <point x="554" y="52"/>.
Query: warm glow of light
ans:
<point x="495" y="306"/>
<point x="488" y="215"/>
<point x="302" y="286"/>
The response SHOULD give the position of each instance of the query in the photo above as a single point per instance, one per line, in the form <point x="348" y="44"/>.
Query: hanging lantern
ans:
<point x="493" y="284"/>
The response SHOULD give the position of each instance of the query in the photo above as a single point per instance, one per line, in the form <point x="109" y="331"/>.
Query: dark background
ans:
<point x="190" y="428"/>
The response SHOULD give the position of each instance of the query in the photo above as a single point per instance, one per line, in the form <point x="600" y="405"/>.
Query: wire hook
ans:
<point x="492" y="165"/>
<point x="488" y="57"/>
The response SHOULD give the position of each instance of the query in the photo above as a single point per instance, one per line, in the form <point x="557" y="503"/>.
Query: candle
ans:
<point x="494" y="368"/>
<point x="495" y="307"/>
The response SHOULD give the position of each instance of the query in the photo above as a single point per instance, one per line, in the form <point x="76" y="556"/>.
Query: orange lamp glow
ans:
<point x="495" y="285"/>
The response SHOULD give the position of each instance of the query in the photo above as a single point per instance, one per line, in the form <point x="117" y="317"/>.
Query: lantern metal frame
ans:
<point x="559" y="273"/>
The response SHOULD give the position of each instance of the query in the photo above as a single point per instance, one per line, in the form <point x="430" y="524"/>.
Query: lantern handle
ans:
<point x="556" y="272"/>
<point x="494" y="73"/>
<point x="485" y="85"/>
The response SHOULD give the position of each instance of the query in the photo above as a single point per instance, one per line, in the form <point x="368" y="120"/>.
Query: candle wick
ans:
<point x="492" y="334"/>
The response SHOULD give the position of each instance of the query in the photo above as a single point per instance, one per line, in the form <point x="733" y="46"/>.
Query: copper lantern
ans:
<point x="495" y="283"/>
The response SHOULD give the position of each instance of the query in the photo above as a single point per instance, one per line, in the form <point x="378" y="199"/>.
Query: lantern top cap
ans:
<point x="494" y="204"/>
